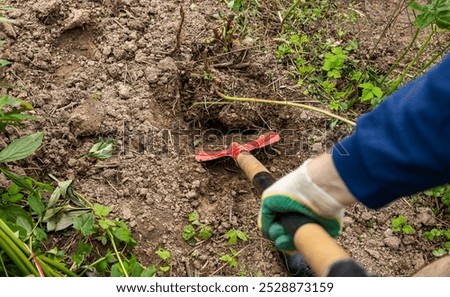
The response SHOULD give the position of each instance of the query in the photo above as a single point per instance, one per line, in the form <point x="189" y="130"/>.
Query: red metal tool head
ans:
<point x="235" y="148"/>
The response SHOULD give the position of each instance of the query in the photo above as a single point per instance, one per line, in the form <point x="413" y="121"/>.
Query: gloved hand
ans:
<point x="297" y="193"/>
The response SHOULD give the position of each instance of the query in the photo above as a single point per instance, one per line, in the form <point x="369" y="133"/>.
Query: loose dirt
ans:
<point x="112" y="69"/>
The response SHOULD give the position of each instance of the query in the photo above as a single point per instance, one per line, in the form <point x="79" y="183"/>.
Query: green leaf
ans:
<point x="36" y="204"/>
<point x="40" y="234"/>
<point x="122" y="233"/>
<point x="408" y="229"/>
<point x="4" y="63"/>
<point x="231" y="235"/>
<point x="241" y="235"/>
<point x="188" y="232"/>
<point x="163" y="254"/>
<point x="164" y="268"/>
<point x="10" y="213"/>
<point x="229" y="259"/>
<point x="21" y="148"/>
<point x="149" y="272"/>
<point x="13" y="189"/>
<point x="193" y="217"/>
<point x="6" y="20"/>
<point x="101" y="210"/>
<point x="85" y="224"/>
<point x="377" y="92"/>
<point x="81" y="252"/>
<point x="116" y="271"/>
<point x="205" y="232"/>
<point x="24" y="223"/>
<point x="25" y="183"/>
<point x="439" y="252"/>
<point x="54" y="197"/>
<point x="106" y="223"/>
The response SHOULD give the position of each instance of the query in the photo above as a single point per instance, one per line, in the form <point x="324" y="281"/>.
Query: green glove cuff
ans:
<point x="271" y="205"/>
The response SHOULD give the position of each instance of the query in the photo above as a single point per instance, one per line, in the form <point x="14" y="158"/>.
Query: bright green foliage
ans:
<point x="230" y="259"/>
<point x="371" y="93"/>
<point x="163" y="254"/>
<point x="102" y="150"/>
<point x="442" y="193"/>
<point x="399" y="224"/>
<point x="12" y="111"/>
<point x="233" y="235"/>
<point x="436" y="11"/>
<point x="240" y="5"/>
<point x="196" y="230"/>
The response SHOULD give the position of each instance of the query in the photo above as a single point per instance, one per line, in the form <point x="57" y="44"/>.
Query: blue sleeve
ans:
<point x="402" y="146"/>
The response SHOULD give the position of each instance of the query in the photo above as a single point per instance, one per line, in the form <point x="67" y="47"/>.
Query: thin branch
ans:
<point x="285" y="103"/>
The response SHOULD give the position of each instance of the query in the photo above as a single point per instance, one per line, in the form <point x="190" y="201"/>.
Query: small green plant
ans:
<point x="165" y="256"/>
<point x="234" y="234"/>
<point x="230" y="258"/>
<point x="399" y="224"/>
<point x="371" y="93"/>
<point x="334" y="62"/>
<point x="102" y="149"/>
<point x="196" y="230"/>
<point x="442" y="194"/>
<point x="3" y="19"/>
<point x="435" y="15"/>
<point x="441" y="238"/>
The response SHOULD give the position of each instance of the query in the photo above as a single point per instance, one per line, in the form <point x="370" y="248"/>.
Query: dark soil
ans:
<point x="112" y="69"/>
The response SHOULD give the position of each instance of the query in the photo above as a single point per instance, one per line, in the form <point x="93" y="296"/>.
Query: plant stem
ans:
<point x="16" y="255"/>
<point x="293" y="6"/>
<point x="411" y="43"/>
<point x="408" y="67"/>
<point x="298" y="105"/>
<point x="433" y="59"/>
<point x="117" y="253"/>
<point x="48" y="271"/>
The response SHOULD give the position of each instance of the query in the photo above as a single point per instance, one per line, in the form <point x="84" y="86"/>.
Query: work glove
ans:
<point x="297" y="193"/>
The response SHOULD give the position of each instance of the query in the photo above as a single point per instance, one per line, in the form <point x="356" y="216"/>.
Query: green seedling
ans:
<point x="442" y="193"/>
<point x="230" y="259"/>
<point x="233" y="235"/>
<point x="442" y="239"/>
<point x="334" y="62"/>
<point x="102" y="149"/>
<point x="165" y="256"/>
<point x="399" y="224"/>
<point x="196" y="230"/>
<point x="12" y="111"/>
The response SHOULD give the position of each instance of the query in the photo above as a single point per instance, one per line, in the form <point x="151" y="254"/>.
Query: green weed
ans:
<point x="230" y="258"/>
<point x="233" y="235"/>
<point x="195" y="230"/>
<point x="102" y="149"/>
<point x="399" y="224"/>
<point x="434" y="15"/>
<point x="441" y="237"/>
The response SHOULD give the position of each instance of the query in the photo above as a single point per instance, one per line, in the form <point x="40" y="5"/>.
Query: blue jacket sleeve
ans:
<point x="402" y="146"/>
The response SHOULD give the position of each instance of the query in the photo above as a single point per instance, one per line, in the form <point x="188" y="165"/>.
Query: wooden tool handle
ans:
<point x="318" y="248"/>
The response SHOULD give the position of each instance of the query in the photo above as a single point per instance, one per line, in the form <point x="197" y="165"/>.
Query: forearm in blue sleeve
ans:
<point x="403" y="145"/>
